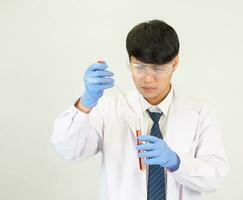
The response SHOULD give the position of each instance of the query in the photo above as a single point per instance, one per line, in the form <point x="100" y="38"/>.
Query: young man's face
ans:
<point x="152" y="81"/>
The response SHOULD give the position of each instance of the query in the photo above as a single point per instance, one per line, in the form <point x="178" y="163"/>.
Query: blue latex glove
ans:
<point x="96" y="79"/>
<point x="157" y="152"/>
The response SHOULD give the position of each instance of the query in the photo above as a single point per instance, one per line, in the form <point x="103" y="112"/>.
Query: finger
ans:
<point x="145" y="147"/>
<point x="97" y="66"/>
<point x="101" y="73"/>
<point x="148" y="138"/>
<point x="99" y="80"/>
<point x="102" y="86"/>
<point x="148" y="154"/>
<point x="106" y="86"/>
<point x="152" y="161"/>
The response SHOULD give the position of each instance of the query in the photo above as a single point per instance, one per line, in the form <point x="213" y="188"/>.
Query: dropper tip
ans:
<point x="101" y="61"/>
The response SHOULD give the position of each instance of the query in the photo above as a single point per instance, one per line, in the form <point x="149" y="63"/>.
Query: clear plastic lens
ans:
<point x="140" y="70"/>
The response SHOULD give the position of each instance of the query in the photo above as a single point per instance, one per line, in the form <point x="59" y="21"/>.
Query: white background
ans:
<point x="45" y="46"/>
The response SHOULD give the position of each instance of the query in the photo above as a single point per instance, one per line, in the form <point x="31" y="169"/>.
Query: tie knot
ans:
<point x="155" y="116"/>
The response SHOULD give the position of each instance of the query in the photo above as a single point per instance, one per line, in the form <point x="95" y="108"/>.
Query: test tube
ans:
<point x="138" y="133"/>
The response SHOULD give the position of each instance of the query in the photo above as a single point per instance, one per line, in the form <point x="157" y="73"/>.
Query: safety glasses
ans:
<point x="140" y="70"/>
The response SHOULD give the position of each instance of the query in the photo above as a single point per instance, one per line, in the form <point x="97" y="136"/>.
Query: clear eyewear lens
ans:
<point x="139" y="70"/>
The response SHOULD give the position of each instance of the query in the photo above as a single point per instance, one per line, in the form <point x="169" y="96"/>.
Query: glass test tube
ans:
<point x="138" y="133"/>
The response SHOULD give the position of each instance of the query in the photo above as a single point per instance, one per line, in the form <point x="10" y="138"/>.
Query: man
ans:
<point x="181" y="146"/>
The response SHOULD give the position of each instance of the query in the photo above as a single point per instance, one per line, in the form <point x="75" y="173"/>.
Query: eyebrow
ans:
<point x="138" y="62"/>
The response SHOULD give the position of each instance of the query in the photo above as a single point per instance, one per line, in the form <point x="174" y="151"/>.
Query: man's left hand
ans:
<point x="157" y="152"/>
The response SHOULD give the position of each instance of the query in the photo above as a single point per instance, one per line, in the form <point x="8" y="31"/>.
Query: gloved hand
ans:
<point x="158" y="153"/>
<point x="96" y="79"/>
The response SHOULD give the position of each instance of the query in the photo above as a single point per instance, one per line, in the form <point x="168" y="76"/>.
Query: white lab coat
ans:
<point x="192" y="131"/>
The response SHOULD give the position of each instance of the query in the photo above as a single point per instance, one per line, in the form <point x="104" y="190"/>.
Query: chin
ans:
<point x="149" y="95"/>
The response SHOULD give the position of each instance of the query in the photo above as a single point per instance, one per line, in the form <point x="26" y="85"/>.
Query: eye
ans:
<point x="158" y="68"/>
<point x="138" y="66"/>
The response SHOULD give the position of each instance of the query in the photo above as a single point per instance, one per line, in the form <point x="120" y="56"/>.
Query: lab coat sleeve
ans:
<point x="205" y="169"/>
<point x="77" y="135"/>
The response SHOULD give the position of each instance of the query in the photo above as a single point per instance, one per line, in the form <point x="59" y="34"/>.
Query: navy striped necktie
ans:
<point x="156" y="177"/>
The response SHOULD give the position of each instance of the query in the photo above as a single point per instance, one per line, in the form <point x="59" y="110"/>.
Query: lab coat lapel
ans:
<point x="182" y="124"/>
<point x="134" y="115"/>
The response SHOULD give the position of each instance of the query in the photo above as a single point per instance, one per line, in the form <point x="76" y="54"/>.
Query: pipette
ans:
<point x="121" y="92"/>
<point x="138" y="125"/>
<point x="138" y="130"/>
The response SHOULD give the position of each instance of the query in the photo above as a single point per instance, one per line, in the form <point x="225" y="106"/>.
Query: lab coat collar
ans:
<point x="163" y="106"/>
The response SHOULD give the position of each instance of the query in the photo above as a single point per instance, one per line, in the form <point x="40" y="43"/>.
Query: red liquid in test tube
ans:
<point x="141" y="160"/>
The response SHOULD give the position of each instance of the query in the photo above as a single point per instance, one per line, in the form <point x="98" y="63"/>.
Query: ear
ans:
<point x="175" y="63"/>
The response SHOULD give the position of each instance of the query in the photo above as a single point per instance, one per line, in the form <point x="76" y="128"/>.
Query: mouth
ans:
<point x="148" y="89"/>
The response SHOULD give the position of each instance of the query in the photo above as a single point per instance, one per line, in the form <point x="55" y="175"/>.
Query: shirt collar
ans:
<point x="163" y="106"/>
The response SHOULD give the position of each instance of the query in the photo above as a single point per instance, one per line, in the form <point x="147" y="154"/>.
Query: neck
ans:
<point x="156" y="100"/>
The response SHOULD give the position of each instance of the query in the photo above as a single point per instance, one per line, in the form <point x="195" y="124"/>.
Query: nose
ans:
<point x="148" y="78"/>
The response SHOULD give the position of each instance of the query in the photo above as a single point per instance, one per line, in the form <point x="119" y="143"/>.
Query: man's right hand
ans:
<point x="96" y="79"/>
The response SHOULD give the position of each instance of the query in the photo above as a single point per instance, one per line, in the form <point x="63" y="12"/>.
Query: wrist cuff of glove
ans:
<point x="176" y="163"/>
<point x="87" y="101"/>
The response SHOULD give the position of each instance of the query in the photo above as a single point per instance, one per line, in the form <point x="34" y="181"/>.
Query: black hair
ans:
<point x="152" y="42"/>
